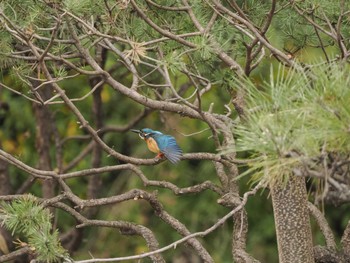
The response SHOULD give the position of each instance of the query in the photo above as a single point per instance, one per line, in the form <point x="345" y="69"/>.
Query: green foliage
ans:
<point x="204" y="47"/>
<point x="27" y="217"/>
<point x="294" y="117"/>
<point x="322" y="8"/>
<point x="84" y="7"/>
<point x="26" y="13"/>
<point x="135" y="28"/>
<point x="59" y="71"/>
<point x="174" y="62"/>
<point x="289" y="118"/>
<point x="296" y="32"/>
<point x="5" y="47"/>
<point x="256" y="9"/>
<point x="202" y="11"/>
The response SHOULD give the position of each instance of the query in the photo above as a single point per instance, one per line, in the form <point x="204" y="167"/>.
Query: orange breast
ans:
<point x="152" y="145"/>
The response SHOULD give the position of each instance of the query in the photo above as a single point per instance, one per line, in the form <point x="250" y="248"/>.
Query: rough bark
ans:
<point x="240" y="231"/>
<point x="326" y="255"/>
<point x="6" y="241"/>
<point x="74" y="237"/>
<point x="95" y="182"/>
<point x="345" y="240"/>
<point x="292" y="221"/>
<point x="5" y="186"/>
<point x="44" y="134"/>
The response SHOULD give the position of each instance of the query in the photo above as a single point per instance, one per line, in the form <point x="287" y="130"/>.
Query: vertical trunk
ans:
<point x="240" y="231"/>
<point x="292" y="221"/>
<point x="240" y="223"/>
<point x="73" y="239"/>
<point x="95" y="182"/>
<point x="44" y="122"/>
<point x="345" y="240"/>
<point x="5" y="185"/>
<point x="6" y="241"/>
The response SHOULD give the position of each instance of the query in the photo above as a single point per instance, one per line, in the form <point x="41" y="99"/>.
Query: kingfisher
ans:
<point x="162" y="144"/>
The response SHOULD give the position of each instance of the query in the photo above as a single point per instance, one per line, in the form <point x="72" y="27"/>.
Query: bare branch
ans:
<point x="176" y="243"/>
<point x="323" y="224"/>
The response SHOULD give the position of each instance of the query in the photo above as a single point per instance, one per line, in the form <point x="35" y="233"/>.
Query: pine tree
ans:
<point x="263" y="80"/>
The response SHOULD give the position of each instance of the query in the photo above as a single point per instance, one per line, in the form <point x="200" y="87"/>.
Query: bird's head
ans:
<point x="145" y="133"/>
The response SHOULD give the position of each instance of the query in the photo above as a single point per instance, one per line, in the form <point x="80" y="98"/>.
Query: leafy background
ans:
<point x="199" y="211"/>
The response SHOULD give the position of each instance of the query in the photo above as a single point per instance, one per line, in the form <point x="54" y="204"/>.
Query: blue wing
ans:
<point x="168" y="146"/>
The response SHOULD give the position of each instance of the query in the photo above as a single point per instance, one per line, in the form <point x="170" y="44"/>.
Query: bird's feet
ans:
<point x="160" y="156"/>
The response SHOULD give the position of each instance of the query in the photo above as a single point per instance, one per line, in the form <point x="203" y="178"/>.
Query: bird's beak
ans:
<point x="140" y="133"/>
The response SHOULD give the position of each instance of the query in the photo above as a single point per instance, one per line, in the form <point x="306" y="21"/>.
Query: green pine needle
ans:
<point x="293" y="118"/>
<point x="27" y="217"/>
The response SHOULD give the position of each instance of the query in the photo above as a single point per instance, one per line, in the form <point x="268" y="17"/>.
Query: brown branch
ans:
<point x="35" y="172"/>
<point x="334" y="33"/>
<point x="324" y="254"/>
<point x="52" y="174"/>
<point x="178" y="191"/>
<point x="220" y="172"/>
<point x="159" y="29"/>
<point x="83" y="122"/>
<point x="321" y="42"/>
<point x="129" y="64"/>
<point x="44" y="132"/>
<point x="222" y="9"/>
<point x="251" y="55"/>
<point x="154" y="104"/>
<point x="220" y="222"/>
<point x="181" y="229"/>
<point x="210" y="23"/>
<point x="337" y="35"/>
<point x="53" y="37"/>
<point x="323" y="225"/>
<point x="15" y="254"/>
<point x="20" y="93"/>
<point x="221" y="54"/>
<point x="5" y="186"/>
<point x="345" y="240"/>
<point x="168" y="8"/>
<point x="126" y="228"/>
<point x="137" y="194"/>
<point x="239" y="238"/>
<point x="309" y="20"/>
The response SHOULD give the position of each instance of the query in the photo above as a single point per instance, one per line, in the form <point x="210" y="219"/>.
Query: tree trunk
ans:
<point x="292" y="221"/>
<point x="44" y="134"/>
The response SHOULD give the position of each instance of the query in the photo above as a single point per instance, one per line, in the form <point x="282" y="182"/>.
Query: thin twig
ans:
<point x="173" y="245"/>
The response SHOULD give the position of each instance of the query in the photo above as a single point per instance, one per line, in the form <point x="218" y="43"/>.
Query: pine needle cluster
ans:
<point x="295" y="120"/>
<point x="26" y="217"/>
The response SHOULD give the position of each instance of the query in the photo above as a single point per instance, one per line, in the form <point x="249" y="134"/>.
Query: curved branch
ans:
<point x="220" y="8"/>
<point x="173" y="245"/>
<point x="159" y="29"/>
<point x="324" y="226"/>
<point x="168" y="8"/>
<point x="345" y="240"/>
<point x="126" y="228"/>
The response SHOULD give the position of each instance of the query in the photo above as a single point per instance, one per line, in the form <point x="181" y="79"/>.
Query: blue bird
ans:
<point x="162" y="144"/>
